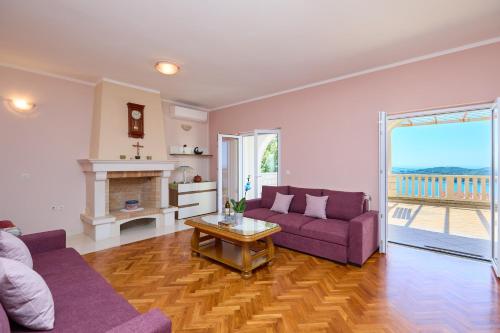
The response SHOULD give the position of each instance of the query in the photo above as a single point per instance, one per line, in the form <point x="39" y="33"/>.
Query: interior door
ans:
<point x="382" y="181"/>
<point x="229" y="169"/>
<point x="495" y="193"/>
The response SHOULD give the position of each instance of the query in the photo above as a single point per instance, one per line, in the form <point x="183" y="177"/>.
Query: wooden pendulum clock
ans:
<point x="135" y="120"/>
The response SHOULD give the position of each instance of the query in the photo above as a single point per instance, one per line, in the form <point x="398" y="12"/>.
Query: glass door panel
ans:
<point x="249" y="164"/>
<point x="267" y="157"/>
<point x="229" y="169"/>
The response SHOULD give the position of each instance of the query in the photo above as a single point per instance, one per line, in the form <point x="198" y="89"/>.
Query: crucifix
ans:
<point x="138" y="146"/>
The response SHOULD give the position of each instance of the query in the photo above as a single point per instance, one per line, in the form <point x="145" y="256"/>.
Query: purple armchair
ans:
<point x="84" y="301"/>
<point x="349" y="234"/>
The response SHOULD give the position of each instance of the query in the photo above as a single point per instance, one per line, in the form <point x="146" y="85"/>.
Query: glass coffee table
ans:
<point x="243" y="245"/>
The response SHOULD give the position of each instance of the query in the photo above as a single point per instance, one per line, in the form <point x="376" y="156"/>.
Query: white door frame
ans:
<point x="382" y="181"/>
<point x="220" y="136"/>
<point x="494" y="186"/>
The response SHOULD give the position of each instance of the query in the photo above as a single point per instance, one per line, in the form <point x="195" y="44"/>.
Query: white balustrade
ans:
<point x="469" y="188"/>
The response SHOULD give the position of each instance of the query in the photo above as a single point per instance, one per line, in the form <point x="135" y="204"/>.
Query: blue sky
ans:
<point x="464" y="145"/>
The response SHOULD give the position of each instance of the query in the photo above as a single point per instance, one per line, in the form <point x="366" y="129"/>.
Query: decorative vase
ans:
<point x="131" y="204"/>
<point x="197" y="179"/>
<point x="238" y="217"/>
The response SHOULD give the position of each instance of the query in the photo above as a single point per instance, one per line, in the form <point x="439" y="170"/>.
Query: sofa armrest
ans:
<point x="45" y="241"/>
<point x="253" y="204"/>
<point x="363" y="237"/>
<point x="153" y="321"/>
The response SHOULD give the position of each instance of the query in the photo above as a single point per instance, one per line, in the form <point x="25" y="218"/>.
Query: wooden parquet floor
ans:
<point x="407" y="290"/>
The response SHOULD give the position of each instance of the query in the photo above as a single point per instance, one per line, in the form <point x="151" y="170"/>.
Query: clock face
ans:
<point x="136" y="115"/>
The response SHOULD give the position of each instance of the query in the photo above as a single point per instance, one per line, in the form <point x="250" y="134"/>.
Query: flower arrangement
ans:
<point x="241" y="205"/>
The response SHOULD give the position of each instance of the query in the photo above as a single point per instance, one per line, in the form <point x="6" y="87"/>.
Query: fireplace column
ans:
<point x="167" y="212"/>
<point x="99" y="224"/>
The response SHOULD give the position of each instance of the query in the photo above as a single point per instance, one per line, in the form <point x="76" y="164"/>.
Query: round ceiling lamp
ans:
<point x="21" y="105"/>
<point x="166" y="67"/>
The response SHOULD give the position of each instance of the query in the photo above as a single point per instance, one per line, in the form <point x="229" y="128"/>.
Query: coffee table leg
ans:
<point x="218" y="246"/>
<point x="270" y="250"/>
<point x="246" y="261"/>
<point x="195" y="242"/>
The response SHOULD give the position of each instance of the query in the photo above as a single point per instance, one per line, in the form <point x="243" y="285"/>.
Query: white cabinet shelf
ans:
<point x="193" y="199"/>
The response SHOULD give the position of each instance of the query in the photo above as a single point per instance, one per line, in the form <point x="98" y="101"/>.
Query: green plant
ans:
<point x="239" y="206"/>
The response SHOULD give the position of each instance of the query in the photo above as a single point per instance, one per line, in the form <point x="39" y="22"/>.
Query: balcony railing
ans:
<point x="440" y="188"/>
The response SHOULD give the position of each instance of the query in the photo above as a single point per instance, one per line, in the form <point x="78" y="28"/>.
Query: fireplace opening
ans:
<point x="145" y="190"/>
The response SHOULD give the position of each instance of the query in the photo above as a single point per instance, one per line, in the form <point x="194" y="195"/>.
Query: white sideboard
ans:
<point x="193" y="198"/>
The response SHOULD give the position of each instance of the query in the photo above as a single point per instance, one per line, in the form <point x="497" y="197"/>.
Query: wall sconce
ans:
<point x="21" y="105"/>
<point x="186" y="127"/>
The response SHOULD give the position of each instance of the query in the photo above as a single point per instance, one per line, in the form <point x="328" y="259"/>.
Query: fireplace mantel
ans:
<point x="91" y="165"/>
<point x="101" y="223"/>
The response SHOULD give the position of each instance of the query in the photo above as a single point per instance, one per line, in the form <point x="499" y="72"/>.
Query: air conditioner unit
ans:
<point x="182" y="112"/>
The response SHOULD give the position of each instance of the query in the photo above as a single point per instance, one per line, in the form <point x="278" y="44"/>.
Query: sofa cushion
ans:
<point x="329" y="230"/>
<point x="316" y="206"/>
<point x="53" y="262"/>
<point x="25" y="295"/>
<point x="344" y="205"/>
<point x="298" y="204"/>
<point x="290" y="222"/>
<point x="84" y="301"/>
<point x="13" y="248"/>
<point x="260" y="213"/>
<point x="269" y="194"/>
<point x="282" y="203"/>
<point x="4" y="321"/>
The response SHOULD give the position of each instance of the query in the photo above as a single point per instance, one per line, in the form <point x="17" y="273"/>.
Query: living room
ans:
<point x="217" y="167"/>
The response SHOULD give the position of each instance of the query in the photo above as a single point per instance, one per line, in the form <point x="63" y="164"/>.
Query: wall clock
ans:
<point x="135" y="120"/>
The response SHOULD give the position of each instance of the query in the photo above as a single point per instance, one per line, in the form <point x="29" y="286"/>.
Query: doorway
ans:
<point x="246" y="163"/>
<point x="438" y="181"/>
<point x="439" y="171"/>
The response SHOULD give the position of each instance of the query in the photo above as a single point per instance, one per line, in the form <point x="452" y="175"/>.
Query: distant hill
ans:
<point x="444" y="171"/>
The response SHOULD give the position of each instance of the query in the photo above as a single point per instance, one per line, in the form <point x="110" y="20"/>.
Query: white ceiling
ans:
<point x="230" y="51"/>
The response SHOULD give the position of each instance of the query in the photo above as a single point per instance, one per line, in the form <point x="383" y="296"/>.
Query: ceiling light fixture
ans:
<point x="166" y="68"/>
<point x="21" y="105"/>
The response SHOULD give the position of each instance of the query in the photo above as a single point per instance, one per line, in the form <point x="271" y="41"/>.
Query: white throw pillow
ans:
<point x="282" y="203"/>
<point x="13" y="248"/>
<point x="316" y="206"/>
<point x="25" y="296"/>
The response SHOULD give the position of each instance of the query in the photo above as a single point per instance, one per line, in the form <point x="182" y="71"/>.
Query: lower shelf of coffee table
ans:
<point x="231" y="254"/>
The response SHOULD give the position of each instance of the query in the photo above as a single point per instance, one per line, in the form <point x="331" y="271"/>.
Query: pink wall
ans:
<point x="329" y="132"/>
<point x="38" y="165"/>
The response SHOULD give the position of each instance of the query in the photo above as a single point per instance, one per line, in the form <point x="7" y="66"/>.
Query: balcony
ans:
<point x="449" y="213"/>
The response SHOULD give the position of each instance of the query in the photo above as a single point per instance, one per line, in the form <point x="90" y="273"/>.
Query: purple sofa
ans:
<point x="84" y="301"/>
<point x="348" y="235"/>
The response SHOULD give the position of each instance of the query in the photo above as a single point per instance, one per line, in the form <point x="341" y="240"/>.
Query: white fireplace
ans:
<point x="109" y="183"/>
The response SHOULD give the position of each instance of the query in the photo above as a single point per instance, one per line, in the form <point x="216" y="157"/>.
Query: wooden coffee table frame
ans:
<point x="241" y="252"/>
